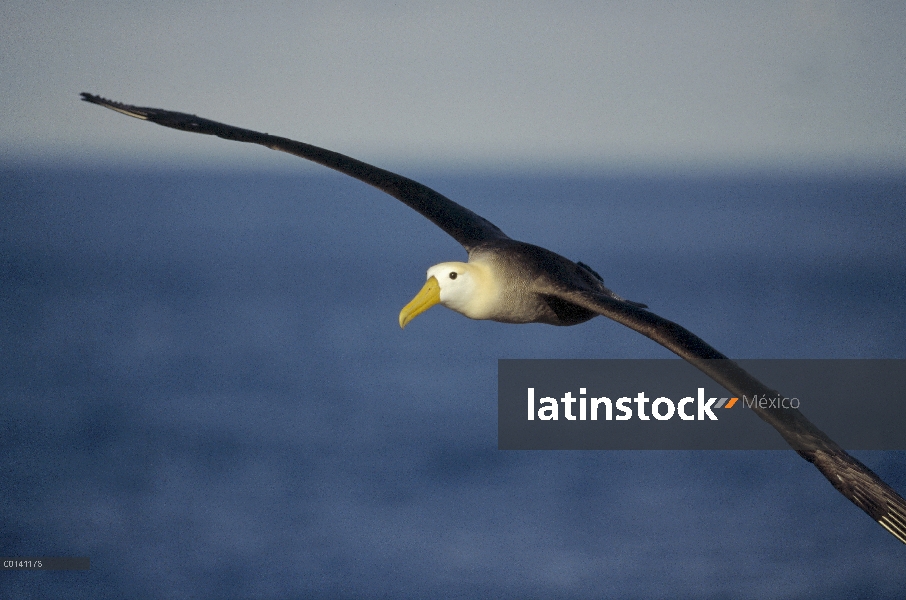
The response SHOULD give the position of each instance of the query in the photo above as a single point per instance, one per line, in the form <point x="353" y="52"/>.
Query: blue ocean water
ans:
<point x="206" y="391"/>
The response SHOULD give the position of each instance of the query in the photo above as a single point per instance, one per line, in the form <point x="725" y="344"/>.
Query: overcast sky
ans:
<point x="466" y="84"/>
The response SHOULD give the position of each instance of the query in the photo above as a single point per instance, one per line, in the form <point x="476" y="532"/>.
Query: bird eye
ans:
<point x="452" y="274"/>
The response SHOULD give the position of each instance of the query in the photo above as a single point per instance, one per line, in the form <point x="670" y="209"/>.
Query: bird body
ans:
<point x="514" y="282"/>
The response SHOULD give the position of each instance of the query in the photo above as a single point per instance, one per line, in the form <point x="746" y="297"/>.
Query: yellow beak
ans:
<point x="425" y="299"/>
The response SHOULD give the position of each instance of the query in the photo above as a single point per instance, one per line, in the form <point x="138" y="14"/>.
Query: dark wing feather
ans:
<point x="459" y="222"/>
<point x="851" y="478"/>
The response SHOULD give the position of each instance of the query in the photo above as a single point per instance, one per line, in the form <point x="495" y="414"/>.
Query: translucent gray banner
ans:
<point x="670" y="405"/>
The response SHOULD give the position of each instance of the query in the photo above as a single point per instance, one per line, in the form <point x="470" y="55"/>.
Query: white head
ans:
<point x="463" y="287"/>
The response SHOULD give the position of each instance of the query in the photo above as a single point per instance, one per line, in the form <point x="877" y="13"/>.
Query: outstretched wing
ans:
<point x="851" y="478"/>
<point x="459" y="222"/>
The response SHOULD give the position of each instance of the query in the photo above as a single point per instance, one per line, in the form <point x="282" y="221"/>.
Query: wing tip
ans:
<point x="862" y="486"/>
<point x="132" y="111"/>
<point x="894" y="519"/>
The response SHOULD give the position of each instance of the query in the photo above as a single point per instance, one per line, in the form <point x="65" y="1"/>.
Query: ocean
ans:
<point x="206" y="391"/>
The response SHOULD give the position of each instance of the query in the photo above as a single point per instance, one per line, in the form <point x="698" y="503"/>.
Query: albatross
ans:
<point x="514" y="282"/>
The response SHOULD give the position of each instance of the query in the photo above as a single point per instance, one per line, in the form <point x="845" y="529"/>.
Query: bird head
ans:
<point x="455" y="285"/>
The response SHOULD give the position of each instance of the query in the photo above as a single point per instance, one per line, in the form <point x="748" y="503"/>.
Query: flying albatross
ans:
<point x="514" y="282"/>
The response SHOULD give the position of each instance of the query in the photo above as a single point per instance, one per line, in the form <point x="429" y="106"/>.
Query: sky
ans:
<point x="524" y="86"/>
